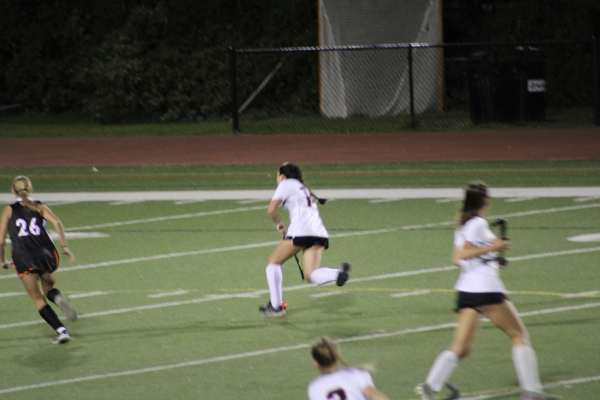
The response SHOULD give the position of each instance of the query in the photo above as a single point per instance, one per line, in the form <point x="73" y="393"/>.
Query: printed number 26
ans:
<point x="337" y="395"/>
<point x="33" y="228"/>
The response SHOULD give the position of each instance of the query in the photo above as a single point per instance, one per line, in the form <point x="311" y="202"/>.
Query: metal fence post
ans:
<point x="234" y="100"/>
<point x="410" y="86"/>
<point x="595" y="81"/>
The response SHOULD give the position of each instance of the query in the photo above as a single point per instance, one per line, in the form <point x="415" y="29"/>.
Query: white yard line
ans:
<point x="327" y="294"/>
<point x="213" y="297"/>
<point x="406" y="294"/>
<point x="416" y="193"/>
<point x="166" y="218"/>
<point x="159" y="295"/>
<point x="338" y="235"/>
<point x="89" y="294"/>
<point x="256" y="353"/>
<point x="11" y="294"/>
<point x="581" y="294"/>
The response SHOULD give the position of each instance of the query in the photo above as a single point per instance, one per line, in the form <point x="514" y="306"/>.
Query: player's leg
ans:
<point x="31" y="281"/>
<point x="313" y="271"/>
<point x="447" y="361"/>
<point x="282" y="252"/>
<point x="506" y="317"/>
<point x="54" y="295"/>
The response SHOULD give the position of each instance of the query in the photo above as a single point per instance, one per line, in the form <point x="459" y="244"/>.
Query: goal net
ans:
<point x="375" y="82"/>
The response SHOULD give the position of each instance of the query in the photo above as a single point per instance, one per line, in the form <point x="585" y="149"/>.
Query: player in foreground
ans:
<point x="306" y="232"/>
<point x="348" y="383"/>
<point x="482" y="293"/>
<point x="34" y="256"/>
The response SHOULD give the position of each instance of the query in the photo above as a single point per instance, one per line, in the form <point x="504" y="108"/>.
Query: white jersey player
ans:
<point x="336" y="383"/>
<point x="482" y="293"/>
<point x="305" y="233"/>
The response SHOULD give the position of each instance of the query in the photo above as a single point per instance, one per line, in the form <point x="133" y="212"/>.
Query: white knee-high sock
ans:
<point x="275" y="281"/>
<point x="443" y="366"/>
<point x="525" y="362"/>
<point x="324" y="275"/>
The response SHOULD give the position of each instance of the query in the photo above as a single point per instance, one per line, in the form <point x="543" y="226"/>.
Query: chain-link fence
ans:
<point x="390" y="88"/>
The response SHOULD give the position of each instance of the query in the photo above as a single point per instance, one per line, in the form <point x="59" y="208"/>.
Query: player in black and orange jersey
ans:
<point x="34" y="256"/>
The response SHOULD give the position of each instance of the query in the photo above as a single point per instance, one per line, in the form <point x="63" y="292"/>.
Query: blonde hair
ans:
<point x="23" y="187"/>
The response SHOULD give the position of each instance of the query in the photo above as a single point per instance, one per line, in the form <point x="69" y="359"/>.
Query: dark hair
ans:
<point x="292" y="171"/>
<point x="325" y="353"/>
<point x="475" y="195"/>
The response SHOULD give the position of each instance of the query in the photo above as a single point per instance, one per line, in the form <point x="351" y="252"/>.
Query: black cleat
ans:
<point x="454" y="393"/>
<point x="270" y="311"/>
<point x="343" y="275"/>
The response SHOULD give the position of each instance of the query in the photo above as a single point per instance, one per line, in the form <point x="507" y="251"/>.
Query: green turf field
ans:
<point x="168" y="309"/>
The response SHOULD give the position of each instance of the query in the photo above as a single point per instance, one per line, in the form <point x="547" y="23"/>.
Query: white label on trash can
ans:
<point x="536" y="85"/>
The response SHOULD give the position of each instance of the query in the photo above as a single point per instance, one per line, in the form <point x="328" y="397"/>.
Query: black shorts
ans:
<point x="474" y="300"/>
<point x="309" y="241"/>
<point x="45" y="260"/>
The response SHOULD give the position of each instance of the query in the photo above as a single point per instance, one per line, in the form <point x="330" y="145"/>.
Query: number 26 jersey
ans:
<point x="27" y="233"/>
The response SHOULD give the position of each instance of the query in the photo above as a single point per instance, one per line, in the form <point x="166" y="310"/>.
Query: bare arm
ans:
<point x="272" y="211"/>
<point x="374" y="394"/>
<point x="6" y="214"/>
<point x="60" y="229"/>
<point x="469" y="251"/>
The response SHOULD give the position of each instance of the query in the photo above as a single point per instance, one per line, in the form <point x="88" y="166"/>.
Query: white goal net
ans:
<point x="376" y="82"/>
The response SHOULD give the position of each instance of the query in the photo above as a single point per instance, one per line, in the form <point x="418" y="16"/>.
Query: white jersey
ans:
<point x="302" y="209"/>
<point x="479" y="274"/>
<point x="343" y="384"/>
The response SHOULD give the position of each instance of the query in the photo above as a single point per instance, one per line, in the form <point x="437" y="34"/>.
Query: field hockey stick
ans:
<point x="299" y="266"/>
<point x="502" y="261"/>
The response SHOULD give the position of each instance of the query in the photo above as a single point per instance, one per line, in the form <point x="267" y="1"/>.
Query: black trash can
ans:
<point x="480" y="81"/>
<point x="532" y="83"/>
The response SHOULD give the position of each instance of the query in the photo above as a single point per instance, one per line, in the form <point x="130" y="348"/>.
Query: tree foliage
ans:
<point x="158" y="60"/>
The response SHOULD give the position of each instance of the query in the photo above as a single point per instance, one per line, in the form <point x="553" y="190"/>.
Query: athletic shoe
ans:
<point x="66" y="307"/>
<point x="538" y="396"/>
<point x="425" y="391"/>
<point x="454" y="393"/>
<point x="343" y="275"/>
<point x="61" y="337"/>
<point x="270" y="311"/>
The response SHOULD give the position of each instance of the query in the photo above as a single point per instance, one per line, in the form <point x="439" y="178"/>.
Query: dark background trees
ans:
<point x="156" y="60"/>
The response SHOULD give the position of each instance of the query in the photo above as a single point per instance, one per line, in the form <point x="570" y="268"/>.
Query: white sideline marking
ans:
<point x="406" y="294"/>
<point x="582" y="294"/>
<point x="90" y="294"/>
<point x="519" y="199"/>
<point x="181" y="202"/>
<point x="73" y="235"/>
<point x="450" y="200"/>
<point x="251" y="201"/>
<point x="327" y="294"/>
<point x="270" y="351"/>
<point x="167" y="218"/>
<point x="590" y="237"/>
<point x="176" y="293"/>
<point x="582" y="199"/>
<point x="266" y="195"/>
<point x="376" y="201"/>
<point x="11" y="294"/>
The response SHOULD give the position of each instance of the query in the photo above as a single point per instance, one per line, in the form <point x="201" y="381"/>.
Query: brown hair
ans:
<point x="326" y="354"/>
<point x="475" y="195"/>
<point x="23" y="187"/>
<point x="293" y="171"/>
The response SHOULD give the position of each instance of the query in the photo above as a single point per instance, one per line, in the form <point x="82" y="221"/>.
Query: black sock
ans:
<point x="52" y="293"/>
<point x="50" y="317"/>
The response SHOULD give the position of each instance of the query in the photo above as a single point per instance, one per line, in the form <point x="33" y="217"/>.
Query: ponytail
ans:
<point x="326" y="354"/>
<point x="23" y="187"/>
<point x="293" y="171"/>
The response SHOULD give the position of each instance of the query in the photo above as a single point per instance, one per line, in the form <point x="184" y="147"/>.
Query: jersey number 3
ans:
<point x="33" y="228"/>
<point x="337" y="395"/>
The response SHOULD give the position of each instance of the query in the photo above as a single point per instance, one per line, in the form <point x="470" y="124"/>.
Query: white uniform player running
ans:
<point x="482" y="293"/>
<point x="336" y="383"/>
<point x="305" y="232"/>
